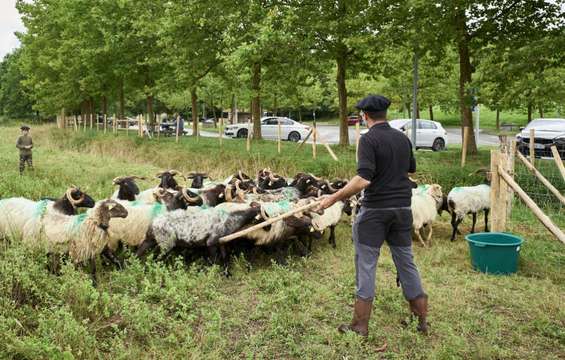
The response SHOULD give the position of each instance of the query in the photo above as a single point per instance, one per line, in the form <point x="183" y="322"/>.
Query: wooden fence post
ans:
<point x="177" y="129"/>
<point x="105" y="124"/>
<point x="558" y="160"/>
<point x="159" y="120"/>
<point x="279" y="134"/>
<point x="221" y="131"/>
<point x="249" y="134"/>
<point x="510" y="165"/>
<point x="76" y="123"/>
<point x="114" y="128"/>
<point x="532" y="147"/>
<point x="314" y="141"/>
<point x="357" y="138"/>
<point x="464" y="145"/>
<point x="497" y="194"/>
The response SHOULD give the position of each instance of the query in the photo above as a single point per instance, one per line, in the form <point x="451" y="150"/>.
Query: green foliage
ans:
<point x="14" y="100"/>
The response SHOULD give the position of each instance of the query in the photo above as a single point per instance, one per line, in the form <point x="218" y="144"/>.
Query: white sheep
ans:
<point x="17" y="213"/>
<point x="131" y="230"/>
<point x="82" y="236"/>
<point x="329" y="219"/>
<point x="426" y="200"/>
<point x="468" y="199"/>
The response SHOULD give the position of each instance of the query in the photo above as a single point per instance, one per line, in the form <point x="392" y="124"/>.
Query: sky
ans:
<point x="9" y="23"/>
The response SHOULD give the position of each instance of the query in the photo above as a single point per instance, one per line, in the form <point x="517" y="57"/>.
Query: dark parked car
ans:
<point x="548" y="132"/>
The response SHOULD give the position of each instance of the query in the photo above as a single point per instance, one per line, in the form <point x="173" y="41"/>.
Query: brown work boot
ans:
<point x="419" y="307"/>
<point x="361" y="316"/>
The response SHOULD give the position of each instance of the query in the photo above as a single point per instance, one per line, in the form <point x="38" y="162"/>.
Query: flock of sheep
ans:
<point x="170" y="218"/>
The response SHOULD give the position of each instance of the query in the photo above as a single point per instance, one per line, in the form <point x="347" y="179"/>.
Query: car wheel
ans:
<point x="294" y="136"/>
<point x="439" y="144"/>
<point x="242" y="133"/>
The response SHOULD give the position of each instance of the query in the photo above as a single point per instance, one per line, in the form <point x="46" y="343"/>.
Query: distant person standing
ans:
<point x="25" y="144"/>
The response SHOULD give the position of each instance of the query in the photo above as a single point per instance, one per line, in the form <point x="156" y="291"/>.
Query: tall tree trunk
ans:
<point x="541" y="111"/>
<point x="341" y="60"/>
<point x="497" y="118"/>
<point x="256" y="100"/>
<point x="276" y="106"/>
<point x="231" y="118"/>
<point x="150" y="110"/>
<point x="104" y="105"/>
<point x="465" y="76"/>
<point x="122" y="100"/>
<point x="194" y="99"/>
<point x="93" y="118"/>
<point x="530" y="112"/>
<point x="409" y="109"/>
<point x="417" y="110"/>
<point x="299" y="115"/>
<point x="431" y="109"/>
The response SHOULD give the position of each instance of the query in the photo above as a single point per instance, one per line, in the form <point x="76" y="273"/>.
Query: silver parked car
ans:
<point x="290" y="130"/>
<point x="430" y="134"/>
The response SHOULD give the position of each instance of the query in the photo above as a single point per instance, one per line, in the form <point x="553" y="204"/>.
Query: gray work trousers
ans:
<point x="371" y="228"/>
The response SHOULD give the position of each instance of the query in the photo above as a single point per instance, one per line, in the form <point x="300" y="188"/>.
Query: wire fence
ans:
<point x="540" y="193"/>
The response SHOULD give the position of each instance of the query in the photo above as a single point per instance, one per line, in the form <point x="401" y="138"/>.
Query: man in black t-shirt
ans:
<point x="384" y="162"/>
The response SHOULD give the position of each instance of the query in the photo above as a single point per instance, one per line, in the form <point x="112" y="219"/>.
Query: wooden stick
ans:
<point x="532" y="147"/>
<point x="244" y="232"/>
<point x="114" y="124"/>
<point x="541" y="178"/>
<point x="465" y="143"/>
<point x="510" y="161"/>
<point x="357" y="138"/>
<point x="105" y="124"/>
<point x="178" y="124"/>
<point x="314" y="142"/>
<point x="558" y="160"/>
<point x="327" y="147"/>
<point x="76" y="124"/>
<point x="221" y="131"/>
<point x="304" y="141"/>
<point x="159" y="126"/>
<point x="545" y="220"/>
<point x="279" y="134"/>
<point x="249" y="134"/>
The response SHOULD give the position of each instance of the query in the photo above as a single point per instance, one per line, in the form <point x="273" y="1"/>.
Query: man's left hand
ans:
<point x="327" y="202"/>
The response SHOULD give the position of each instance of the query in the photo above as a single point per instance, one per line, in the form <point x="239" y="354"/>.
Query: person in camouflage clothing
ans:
<point x="25" y="144"/>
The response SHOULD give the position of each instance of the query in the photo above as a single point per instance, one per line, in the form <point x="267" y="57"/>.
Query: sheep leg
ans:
<point x="109" y="255"/>
<point x="429" y="238"/>
<point x="474" y="222"/>
<point x="454" y="224"/>
<point x="486" y="220"/>
<point x="280" y="255"/>
<point x="93" y="272"/>
<point x="417" y="231"/>
<point x="332" y="236"/>
<point x="148" y="244"/>
<point x="225" y="261"/>
<point x="303" y="249"/>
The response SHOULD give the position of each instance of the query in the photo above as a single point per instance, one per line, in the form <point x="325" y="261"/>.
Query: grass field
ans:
<point x="271" y="311"/>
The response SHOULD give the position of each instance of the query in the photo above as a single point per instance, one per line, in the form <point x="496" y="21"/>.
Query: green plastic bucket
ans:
<point x="494" y="253"/>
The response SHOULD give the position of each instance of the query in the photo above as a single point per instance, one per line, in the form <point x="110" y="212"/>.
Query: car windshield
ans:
<point x="547" y="125"/>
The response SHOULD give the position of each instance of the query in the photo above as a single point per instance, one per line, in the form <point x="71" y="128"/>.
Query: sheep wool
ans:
<point x="468" y="199"/>
<point x="15" y="213"/>
<point x="132" y="230"/>
<point x="330" y="217"/>
<point x="78" y="235"/>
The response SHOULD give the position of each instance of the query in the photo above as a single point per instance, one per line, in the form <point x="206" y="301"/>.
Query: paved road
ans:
<point x="330" y="134"/>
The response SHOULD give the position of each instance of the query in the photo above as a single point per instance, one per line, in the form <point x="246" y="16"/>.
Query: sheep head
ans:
<point x="197" y="179"/>
<point x="107" y="210"/>
<point x="78" y="198"/>
<point x="168" y="179"/>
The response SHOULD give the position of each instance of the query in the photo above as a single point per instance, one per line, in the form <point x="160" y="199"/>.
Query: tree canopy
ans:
<point x="291" y="55"/>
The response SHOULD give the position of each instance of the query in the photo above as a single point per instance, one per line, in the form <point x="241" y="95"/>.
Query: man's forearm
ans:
<point x="356" y="185"/>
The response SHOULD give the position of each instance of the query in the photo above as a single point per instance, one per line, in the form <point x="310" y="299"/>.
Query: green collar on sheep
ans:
<point x="40" y="208"/>
<point x="77" y="221"/>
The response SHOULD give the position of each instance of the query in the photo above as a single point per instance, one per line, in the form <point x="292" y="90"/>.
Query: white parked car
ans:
<point x="290" y="130"/>
<point x="547" y="132"/>
<point x="430" y="134"/>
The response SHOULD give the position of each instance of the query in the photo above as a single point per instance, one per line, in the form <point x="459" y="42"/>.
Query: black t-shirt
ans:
<point x="385" y="159"/>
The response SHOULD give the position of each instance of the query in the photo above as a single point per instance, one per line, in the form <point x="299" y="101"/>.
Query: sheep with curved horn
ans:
<point x="18" y="213"/>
